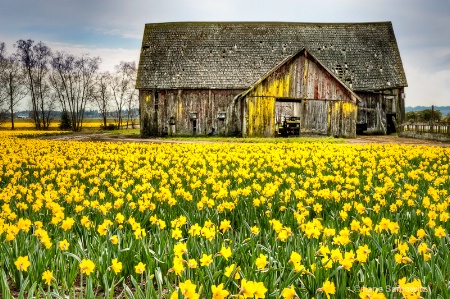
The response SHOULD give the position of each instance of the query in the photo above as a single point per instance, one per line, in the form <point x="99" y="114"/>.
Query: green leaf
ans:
<point x="72" y="255"/>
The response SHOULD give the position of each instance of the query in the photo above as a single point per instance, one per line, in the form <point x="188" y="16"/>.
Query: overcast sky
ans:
<point x="112" y="29"/>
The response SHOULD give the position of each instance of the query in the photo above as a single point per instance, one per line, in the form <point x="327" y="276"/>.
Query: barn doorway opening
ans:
<point x="287" y="117"/>
<point x="391" y="123"/>
<point x="194" y="126"/>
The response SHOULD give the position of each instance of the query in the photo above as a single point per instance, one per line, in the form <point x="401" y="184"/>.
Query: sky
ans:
<point x="113" y="29"/>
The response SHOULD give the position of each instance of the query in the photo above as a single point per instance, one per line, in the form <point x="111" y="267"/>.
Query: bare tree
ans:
<point x="2" y="67"/>
<point x="2" y="55"/>
<point x="35" y="58"/>
<point x="132" y="98"/>
<point x="73" y="81"/>
<point x="103" y="94"/>
<point x="2" y="50"/>
<point x="61" y="79"/>
<point x="123" y="86"/>
<point x="2" y="89"/>
<point x="132" y="107"/>
<point x="12" y="83"/>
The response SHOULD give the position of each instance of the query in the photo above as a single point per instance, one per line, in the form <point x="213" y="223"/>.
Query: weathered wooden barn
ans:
<point x="269" y="79"/>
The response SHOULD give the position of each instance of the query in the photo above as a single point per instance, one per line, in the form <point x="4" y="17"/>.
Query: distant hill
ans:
<point x="445" y="110"/>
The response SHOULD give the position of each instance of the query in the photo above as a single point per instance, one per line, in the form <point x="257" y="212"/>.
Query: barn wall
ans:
<point x="260" y="116"/>
<point x="342" y="119"/>
<point x="148" y="121"/>
<point x="171" y="113"/>
<point x="314" y="117"/>
<point x="301" y="79"/>
<point x="374" y="107"/>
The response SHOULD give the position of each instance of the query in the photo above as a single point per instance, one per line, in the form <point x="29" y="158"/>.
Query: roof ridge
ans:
<point x="268" y="22"/>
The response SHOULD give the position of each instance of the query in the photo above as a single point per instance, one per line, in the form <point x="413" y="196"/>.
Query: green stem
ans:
<point x="81" y="285"/>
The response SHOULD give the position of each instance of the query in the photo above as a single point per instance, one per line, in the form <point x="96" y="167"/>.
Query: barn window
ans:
<point x="221" y="115"/>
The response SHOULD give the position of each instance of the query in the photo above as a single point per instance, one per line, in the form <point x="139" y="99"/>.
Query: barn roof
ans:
<point x="235" y="55"/>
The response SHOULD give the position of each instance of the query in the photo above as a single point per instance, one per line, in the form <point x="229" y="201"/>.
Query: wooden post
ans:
<point x="432" y="114"/>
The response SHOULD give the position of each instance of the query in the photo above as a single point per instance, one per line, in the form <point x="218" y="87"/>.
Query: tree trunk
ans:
<point x="12" y="115"/>
<point x="11" y="101"/>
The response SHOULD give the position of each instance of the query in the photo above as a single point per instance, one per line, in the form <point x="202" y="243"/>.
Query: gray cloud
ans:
<point x="422" y="27"/>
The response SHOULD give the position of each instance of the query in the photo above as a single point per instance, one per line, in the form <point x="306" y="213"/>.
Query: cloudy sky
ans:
<point x="112" y="29"/>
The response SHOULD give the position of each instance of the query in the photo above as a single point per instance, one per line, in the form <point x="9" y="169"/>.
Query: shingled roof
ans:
<point x="234" y="55"/>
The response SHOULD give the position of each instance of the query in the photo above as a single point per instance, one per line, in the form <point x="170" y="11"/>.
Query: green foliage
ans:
<point x="109" y="127"/>
<point x="423" y="116"/>
<point x="66" y="123"/>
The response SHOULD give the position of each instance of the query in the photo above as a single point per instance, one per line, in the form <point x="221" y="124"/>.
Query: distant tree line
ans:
<point x="89" y="113"/>
<point x="62" y="81"/>
<point x="426" y="115"/>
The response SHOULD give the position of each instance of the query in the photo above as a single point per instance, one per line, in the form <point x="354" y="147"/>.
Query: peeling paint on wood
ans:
<point x="328" y="106"/>
<point x="375" y="109"/>
<point x="173" y="113"/>
<point x="203" y="69"/>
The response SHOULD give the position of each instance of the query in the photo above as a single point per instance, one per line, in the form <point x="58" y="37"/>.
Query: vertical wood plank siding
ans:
<point x="176" y="106"/>
<point x="243" y="69"/>
<point x="373" y="108"/>
<point x="327" y="107"/>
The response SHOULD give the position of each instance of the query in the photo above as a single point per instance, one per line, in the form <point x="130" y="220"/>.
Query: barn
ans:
<point x="270" y="79"/>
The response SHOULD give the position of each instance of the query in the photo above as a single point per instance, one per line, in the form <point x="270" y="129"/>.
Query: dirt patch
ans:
<point x="108" y="137"/>
<point x="392" y="139"/>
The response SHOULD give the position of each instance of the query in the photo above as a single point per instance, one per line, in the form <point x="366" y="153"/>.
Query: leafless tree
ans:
<point x="103" y="94"/>
<point x="2" y="49"/>
<point x="2" y="55"/>
<point x="123" y="87"/>
<point x="73" y="81"/>
<point x="132" y="99"/>
<point x="35" y="58"/>
<point x="12" y="83"/>
<point x="60" y="78"/>
<point x="2" y="66"/>
<point x="132" y="107"/>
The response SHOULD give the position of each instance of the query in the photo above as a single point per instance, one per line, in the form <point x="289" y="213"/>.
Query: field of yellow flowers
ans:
<point x="27" y="124"/>
<point x="266" y="220"/>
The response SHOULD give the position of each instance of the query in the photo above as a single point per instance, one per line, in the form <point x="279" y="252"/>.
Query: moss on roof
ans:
<point x="234" y="55"/>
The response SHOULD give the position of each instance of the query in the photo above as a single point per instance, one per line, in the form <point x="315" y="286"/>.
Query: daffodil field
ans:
<point x="28" y="124"/>
<point x="265" y="220"/>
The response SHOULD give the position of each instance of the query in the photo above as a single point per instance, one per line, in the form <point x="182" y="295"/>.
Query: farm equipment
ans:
<point x="290" y="127"/>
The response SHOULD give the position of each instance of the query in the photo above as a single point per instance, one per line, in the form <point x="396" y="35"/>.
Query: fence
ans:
<point x="434" y="131"/>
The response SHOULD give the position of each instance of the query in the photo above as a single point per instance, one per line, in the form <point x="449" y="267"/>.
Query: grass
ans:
<point x="93" y="126"/>
<point x="300" y="139"/>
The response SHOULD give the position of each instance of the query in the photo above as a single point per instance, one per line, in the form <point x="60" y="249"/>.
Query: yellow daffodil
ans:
<point x="47" y="277"/>
<point x="289" y="293"/>
<point x="139" y="268"/>
<point x="116" y="265"/>
<point x="327" y="288"/>
<point x="261" y="262"/>
<point x="206" y="260"/>
<point x="225" y="252"/>
<point x="87" y="266"/>
<point x="64" y="245"/>
<point x="22" y="263"/>
<point x="218" y="292"/>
